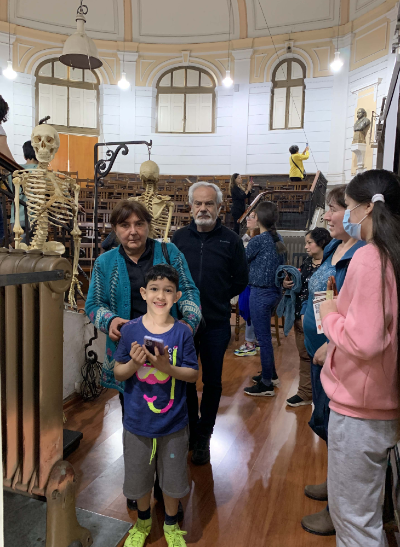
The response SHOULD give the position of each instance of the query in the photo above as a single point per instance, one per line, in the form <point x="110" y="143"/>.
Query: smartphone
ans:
<point x="306" y="144"/>
<point x="331" y="289"/>
<point x="152" y="343"/>
<point x="287" y="274"/>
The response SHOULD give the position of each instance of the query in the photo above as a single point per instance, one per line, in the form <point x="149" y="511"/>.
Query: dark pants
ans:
<point x="305" y="389"/>
<point x="320" y="416"/>
<point x="295" y="179"/>
<point x="236" y="225"/>
<point x="262" y="304"/>
<point x="211" y="344"/>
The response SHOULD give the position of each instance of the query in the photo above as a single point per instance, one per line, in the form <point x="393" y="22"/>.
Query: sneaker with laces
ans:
<point x="260" y="390"/>
<point x="245" y="350"/>
<point x="275" y="380"/>
<point x="174" y="535"/>
<point x="296" y="400"/>
<point x="138" y="534"/>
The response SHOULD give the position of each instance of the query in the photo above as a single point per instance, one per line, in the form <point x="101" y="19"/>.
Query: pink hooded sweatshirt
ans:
<point x="360" y="372"/>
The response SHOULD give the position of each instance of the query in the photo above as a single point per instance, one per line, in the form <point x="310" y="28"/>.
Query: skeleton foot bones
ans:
<point x="52" y="198"/>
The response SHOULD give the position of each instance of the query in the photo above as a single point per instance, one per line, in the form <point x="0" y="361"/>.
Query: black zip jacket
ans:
<point x="217" y="262"/>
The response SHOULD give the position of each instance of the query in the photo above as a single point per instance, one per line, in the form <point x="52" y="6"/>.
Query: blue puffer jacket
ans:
<point x="287" y="305"/>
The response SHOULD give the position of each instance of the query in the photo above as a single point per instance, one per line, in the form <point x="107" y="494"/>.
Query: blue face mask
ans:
<point x="354" y="230"/>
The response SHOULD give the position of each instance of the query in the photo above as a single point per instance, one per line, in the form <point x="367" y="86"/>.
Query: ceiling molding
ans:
<point x="186" y="16"/>
<point x="105" y="20"/>
<point x="319" y="14"/>
<point x="360" y="7"/>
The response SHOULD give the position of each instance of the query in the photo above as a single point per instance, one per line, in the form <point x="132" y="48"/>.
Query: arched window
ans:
<point x="287" y="105"/>
<point x="69" y="95"/>
<point x="186" y="101"/>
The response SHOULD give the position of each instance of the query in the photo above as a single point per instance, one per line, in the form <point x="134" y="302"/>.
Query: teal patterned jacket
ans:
<point x="110" y="296"/>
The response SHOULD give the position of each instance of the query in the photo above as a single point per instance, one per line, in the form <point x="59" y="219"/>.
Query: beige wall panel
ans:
<point x="3" y="10"/>
<point x="370" y="45"/>
<point x="366" y="99"/>
<point x="323" y="55"/>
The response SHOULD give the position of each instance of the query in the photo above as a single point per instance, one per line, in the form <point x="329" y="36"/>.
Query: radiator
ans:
<point x="295" y="247"/>
<point x="31" y="363"/>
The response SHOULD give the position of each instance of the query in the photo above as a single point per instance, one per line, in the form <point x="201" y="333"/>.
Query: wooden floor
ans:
<point x="262" y="455"/>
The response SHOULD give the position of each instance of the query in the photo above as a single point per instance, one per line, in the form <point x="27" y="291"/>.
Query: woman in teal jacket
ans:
<point x="114" y="296"/>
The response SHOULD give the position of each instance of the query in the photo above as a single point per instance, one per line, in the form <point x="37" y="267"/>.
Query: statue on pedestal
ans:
<point x="361" y="127"/>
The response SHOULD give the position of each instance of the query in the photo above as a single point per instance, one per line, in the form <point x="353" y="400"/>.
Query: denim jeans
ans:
<point x="249" y="334"/>
<point x="320" y="416"/>
<point x="262" y="304"/>
<point x="211" y="344"/>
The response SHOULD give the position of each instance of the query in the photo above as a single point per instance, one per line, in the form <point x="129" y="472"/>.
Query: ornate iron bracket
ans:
<point x="101" y="169"/>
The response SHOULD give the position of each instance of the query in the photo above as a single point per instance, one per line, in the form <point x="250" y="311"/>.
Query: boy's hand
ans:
<point x="137" y="354"/>
<point x="160" y="362"/>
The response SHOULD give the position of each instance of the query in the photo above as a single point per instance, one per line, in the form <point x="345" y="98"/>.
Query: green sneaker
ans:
<point x="138" y="534"/>
<point x="174" y="535"/>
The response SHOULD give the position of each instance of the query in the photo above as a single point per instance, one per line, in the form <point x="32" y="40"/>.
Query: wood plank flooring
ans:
<point x="262" y="455"/>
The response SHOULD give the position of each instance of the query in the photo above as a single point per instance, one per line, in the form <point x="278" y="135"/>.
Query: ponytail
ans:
<point x="267" y="216"/>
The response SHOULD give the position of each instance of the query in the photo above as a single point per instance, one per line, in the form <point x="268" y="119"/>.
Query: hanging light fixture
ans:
<point x="123" y="83"/>
<point x="337" y="63"/>
<point x="9" y="72"/>
<point x="79" y="50"/>
<point x="228" y="82"/>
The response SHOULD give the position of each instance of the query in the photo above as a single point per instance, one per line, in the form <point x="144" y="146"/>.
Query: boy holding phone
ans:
<point x="156" y="416"/>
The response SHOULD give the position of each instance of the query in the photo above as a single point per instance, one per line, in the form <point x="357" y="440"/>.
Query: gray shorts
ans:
<point x="170" y="461"/>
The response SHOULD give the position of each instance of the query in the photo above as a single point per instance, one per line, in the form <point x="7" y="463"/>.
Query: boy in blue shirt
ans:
<point x="155" y="410"/>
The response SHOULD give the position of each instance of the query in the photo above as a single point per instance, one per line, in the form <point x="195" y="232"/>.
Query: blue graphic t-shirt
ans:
<point x="154" y="403"/>
<point x="318" y="282"/>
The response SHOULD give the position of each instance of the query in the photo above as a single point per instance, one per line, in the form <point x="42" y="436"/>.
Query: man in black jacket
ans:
<point x="217" y="262"/>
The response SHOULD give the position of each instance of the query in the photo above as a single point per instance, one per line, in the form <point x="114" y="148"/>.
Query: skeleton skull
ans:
<point x="149" y="172"/>
<point x="46" y="142"/>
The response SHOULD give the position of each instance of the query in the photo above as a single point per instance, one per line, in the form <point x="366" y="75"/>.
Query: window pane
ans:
<point x="170" y="113"/>
<point x="206" y="80"/>
<point x="177" y="110"/>
<point x="90" y="108"/>
<point x="206" y="113"/>
<point x="297" y="71"/>
<point x="76" y="74"/>
<point x="45" y="101"/>
<point x="166" y="81"/>
<point x="179" y="78"/>
<point x="193" y="78"/>
<point x="295" y="106"/>
<point x="90" y="77"/>
<point x="46" y="70"/>
<point x="76" y="107"/>
<point x="60" y="71"/>
<point x="279" y="112"/>
<point x="164" y="109"/>
<point x="60" y="95"/>
<point x="281" y="73"/>
<point x="192" y="113"/>
<point x="199" y="113"/>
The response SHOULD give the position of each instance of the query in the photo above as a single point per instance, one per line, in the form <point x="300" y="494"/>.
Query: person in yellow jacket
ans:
<point x="296" y="163"/>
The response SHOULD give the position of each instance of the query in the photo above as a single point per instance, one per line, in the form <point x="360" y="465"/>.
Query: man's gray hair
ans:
<point x="199" y="185"/>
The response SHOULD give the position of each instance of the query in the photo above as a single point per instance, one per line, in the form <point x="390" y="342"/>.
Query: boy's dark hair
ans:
<point x="3" y="110"/>
<point x="320" y="236"/>
<point x="29" y="153"/>
<point x="162" y="271"/>
<point x="294" y="149"/>
<point x="125" y="208"/>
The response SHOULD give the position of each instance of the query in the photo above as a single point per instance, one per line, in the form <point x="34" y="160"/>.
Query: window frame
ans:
<point x="288" y="83"/>
<point x="185" y="90"/>
<point x="52" y="80"/>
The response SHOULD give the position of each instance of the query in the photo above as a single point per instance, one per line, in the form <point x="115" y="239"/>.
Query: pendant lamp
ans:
<point x="79" y="50"/>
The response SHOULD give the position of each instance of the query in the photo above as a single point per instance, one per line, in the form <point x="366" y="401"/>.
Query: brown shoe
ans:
<point x="319" y="524"/>
<point x="317" y="492"/>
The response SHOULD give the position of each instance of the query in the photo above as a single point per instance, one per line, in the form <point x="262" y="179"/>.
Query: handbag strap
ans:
<point x="302" y="172"/>
<point x="165" y="252"/>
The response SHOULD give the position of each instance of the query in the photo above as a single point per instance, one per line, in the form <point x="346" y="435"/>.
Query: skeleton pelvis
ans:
<point x="54" y="247"/>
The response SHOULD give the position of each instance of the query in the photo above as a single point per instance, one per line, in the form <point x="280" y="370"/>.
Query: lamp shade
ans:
<point x="79" y="50"/>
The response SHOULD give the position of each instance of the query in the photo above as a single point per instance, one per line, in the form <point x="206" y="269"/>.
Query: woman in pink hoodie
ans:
<point x="361" y="373"/>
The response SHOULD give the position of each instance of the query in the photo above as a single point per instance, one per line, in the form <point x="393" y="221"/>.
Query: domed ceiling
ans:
<point x="186" y="21"/>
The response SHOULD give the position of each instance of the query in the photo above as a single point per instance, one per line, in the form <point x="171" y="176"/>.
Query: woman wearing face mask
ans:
<point x="336" y="260"/>
<point x="239" y="195"/>
<point x="249" y="347"/>
<point x="361" y="372"/>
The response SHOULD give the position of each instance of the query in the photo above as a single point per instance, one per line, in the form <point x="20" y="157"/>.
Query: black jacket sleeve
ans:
<point x="240" y="277"/>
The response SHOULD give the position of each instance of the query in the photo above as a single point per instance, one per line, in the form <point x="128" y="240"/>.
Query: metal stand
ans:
<point x="101" y="170"/>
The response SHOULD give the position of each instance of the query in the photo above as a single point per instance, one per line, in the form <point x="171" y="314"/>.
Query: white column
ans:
<point x="240" y="113"/>
<point x="336" y="174"/>
<point x="128" y="111"/>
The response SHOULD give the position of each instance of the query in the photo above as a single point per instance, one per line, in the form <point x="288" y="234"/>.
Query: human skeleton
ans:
<point x="51" y="197"/>
<point x="160" y="207"/>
